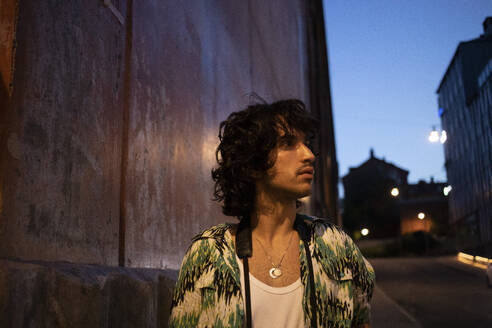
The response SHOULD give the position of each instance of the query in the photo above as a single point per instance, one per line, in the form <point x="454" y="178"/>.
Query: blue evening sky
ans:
<point x="386" y="60"/>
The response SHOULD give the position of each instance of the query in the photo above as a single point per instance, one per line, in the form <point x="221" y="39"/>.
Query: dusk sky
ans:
<point x="386" y="60"/>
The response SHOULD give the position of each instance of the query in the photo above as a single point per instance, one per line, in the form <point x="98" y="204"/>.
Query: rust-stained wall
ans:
<point x="8" y="20"/>
<point x="61" y="161"/>
<point x="114" y="126"/>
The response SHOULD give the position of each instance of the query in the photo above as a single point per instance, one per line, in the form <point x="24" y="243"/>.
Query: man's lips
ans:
<point x="306" y="170"/>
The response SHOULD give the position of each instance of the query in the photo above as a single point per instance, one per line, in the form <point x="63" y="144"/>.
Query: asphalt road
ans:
<point x="430" y="292"/>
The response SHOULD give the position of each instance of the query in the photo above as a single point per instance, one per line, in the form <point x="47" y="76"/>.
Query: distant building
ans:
<point x="465" y="107"/>
<point x="368" y="202"/>
<point x="424" y="206"/>
<point x="371" y="201"/>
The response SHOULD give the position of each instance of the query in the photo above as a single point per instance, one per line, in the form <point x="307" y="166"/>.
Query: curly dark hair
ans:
<point x="247" y="139"/>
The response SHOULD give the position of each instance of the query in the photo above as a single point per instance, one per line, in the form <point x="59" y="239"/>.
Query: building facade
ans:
<point x="424" y="207"/>
<point x="378" y="197"/>
<point x="465" y="107"/>
<point x="368" y="202"/>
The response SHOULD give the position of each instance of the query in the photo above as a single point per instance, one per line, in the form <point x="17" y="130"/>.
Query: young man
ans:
<point x="275" y="268"/>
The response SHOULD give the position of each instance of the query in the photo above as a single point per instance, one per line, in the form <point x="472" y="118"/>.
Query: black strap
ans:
<point x="248" y="293"/>
<point x="244" y="249"/>
<point x="244" y="244"/>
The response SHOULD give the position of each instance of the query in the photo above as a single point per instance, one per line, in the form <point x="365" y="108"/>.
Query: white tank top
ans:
<point x="273" y="306"/>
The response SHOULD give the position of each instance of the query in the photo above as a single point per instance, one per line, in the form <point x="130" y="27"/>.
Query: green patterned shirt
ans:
<point x="208" y="290"/>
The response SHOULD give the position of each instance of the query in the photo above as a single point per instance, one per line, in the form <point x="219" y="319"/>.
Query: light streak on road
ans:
<point x="476" y="261"/>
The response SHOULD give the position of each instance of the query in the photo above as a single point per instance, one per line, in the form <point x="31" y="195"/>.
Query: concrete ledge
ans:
<point x="63" y="294"/>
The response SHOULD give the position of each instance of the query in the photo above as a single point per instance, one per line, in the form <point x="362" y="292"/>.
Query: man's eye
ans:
<point x="310" y="143"/>
<point x="313" y="146"/>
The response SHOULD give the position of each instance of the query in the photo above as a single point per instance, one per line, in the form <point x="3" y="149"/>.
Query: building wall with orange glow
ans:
<point x="412" y="224"/>
<point x="435" y="210"/>
<point x="112" y="123"/>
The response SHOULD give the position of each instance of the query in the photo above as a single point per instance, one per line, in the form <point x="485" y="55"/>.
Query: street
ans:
<point x="430" y="292"/>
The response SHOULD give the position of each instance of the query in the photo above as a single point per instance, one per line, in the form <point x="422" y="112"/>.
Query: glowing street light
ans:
<point x="364" y="232"/>
<point x="446" y="190"/>
<point x="434" y="136"/>
<point x="444" y="136"/>
<point x="421" y="215"/>
<point x="395" y="192"/>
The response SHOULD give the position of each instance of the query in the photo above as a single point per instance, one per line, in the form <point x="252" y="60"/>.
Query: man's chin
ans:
<point x="304" y="193"/>
<point x="297" y="193"/>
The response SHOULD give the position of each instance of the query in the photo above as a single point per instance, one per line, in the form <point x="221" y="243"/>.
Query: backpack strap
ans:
<point x="244" y="249"/>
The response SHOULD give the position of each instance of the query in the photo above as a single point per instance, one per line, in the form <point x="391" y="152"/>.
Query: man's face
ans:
<point x="292" y="173"/>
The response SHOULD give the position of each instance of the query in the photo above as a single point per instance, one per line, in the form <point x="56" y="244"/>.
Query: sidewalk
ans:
<point x="386" y="313"/>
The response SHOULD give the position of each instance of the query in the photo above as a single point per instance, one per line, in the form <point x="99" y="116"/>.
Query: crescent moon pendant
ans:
<point x="275" y="273"/>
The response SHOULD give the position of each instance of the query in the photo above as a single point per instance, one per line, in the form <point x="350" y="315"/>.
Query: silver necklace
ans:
<point x="275" y="271"/>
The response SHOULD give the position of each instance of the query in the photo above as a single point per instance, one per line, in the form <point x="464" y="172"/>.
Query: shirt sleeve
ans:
<point x="364" y="281"/>
<point x="187" y="299"/>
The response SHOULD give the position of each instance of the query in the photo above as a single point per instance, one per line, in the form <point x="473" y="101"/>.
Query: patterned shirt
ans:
<point x="208" y="290"/>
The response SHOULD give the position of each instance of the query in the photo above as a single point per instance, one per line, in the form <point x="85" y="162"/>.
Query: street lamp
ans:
<point x="444" y="136"/>
<point x="395" y="192"/>
<point x="421" y="216"/>
<point x="446" y="190"/>
<point x="364" y="232"/>
<point x="435" y="136"/>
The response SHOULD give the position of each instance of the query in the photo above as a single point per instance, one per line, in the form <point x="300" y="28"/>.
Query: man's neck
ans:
<point x="273" y="219"/>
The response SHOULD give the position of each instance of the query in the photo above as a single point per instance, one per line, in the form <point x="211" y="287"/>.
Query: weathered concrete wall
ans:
<point x="61" y="161"/>
<point x="112" y="127"/>
<point x="8" y="19"/>
<point x="278" y="49"/>
<point x="191" y="66"/>
<point x="61" y="294"/>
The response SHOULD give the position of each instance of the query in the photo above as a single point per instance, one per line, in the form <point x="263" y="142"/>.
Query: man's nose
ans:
<point x="308" y="155"/>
